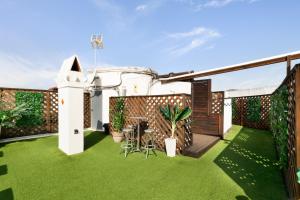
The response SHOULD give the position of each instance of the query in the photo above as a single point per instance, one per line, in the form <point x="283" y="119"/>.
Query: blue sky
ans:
<point x="166" y="35"/>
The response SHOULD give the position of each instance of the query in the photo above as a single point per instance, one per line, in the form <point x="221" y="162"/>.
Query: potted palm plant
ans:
<point x="173" y="117"/>
<point x="118" y="120"/>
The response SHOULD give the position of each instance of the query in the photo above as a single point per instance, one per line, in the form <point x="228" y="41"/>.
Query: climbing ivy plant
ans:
<point x="34" y="104"/>
<point x="253" y="109"/>
<point x="279" y="124"/>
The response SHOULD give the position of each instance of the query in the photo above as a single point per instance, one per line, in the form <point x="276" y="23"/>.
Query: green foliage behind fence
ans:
<point x="253" y="109"/>
<point x="279" y="123"/>
<point x="34" y="103"/>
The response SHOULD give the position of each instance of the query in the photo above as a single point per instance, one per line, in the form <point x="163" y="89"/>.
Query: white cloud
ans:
<point x="198" y="31"/>
<point x="17" y="71"/>
<point x="150" y="6"/>
<point x="141" y="7"/>
<point x="217" y="3"/>
<point x="220" y="3"/>
<point x="189" y="47"/>
<point x="190" y="40"/>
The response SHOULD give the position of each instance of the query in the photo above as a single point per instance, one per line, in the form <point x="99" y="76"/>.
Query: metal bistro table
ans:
<point x="139" y="120"/>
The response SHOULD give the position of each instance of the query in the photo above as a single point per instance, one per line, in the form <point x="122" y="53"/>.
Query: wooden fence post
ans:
<point x="297" y="115"/>
<point x="242" y="111"/>
<point x="288" y="65"/>
<point x="221" y="117"/>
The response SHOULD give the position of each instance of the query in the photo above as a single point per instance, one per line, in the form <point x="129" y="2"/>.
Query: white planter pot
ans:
<point x="170" y="147"/>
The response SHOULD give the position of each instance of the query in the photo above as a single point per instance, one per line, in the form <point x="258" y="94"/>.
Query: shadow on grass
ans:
<point x="250" y="160"/>
<point x="7" y="194"/>
<point x="93" y="138"/>
<point x="3" y="170"/>
<point x="241" y="197"/>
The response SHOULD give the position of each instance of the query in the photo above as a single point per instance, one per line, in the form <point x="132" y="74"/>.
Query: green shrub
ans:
<point x="8" y="117"/>
<point x="279" y="123"/>
<point x="118" y="118"/>
<point x="253" y="109"/>
<point x="34" y="104"/>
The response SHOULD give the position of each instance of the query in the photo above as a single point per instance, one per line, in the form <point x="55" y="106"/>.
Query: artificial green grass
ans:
<point x="241" y="167"/>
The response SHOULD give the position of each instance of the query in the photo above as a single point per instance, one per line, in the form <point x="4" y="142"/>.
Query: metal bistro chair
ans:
<point x="149" y="142"/>
<point x="130" y="140"/>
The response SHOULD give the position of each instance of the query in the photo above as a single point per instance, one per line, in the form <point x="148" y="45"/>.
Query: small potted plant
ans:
<point x="118" y="120"/>
<point x="174" y="117"/>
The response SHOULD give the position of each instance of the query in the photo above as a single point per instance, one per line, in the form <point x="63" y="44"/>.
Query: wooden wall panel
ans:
<point x="207" y="114"/>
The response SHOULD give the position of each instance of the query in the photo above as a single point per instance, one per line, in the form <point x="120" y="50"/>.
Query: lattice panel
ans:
<point x="217" y="102"/>
<point x="239" y="116"/>
<point x="87" y="110"/>
<point x="53" y="111"/>
<point x="290" y="173"/>
<point x="50" y="112"/>
<point x="8" y="96"/>
<point x="148" y="107"/>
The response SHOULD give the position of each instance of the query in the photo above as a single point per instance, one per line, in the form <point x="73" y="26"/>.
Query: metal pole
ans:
<point x="95" y="57"/>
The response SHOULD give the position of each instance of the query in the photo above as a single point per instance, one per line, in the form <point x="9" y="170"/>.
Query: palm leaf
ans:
<point x="185" y="113"/>
<point x="175" y="116"/>
<point x="166" y="112"/>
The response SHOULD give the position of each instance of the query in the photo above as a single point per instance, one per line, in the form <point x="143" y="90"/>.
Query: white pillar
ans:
<point x="227" y="114"/>
<point x="70" y="107"/>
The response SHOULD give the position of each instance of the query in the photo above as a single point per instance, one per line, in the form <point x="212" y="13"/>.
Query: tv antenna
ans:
<point x="97" y="43"/>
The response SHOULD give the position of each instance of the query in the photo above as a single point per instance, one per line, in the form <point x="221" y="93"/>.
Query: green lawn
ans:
<point x="240" y="167"/>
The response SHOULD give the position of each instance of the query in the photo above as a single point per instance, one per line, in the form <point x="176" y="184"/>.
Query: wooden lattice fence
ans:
<point x="148" y="107"/>
<point x="50" y="112"/>
<point x="292" y="82"/>
<point x="240" y="111"/>
<point x="217" y="103"/>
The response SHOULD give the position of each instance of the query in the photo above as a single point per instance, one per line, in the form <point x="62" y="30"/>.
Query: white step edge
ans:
<point x="28" y="137"/>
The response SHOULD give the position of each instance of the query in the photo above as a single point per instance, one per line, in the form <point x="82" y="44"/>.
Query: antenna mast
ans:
<point x="97" y="43"/>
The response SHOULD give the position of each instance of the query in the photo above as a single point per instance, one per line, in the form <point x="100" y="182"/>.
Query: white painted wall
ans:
<point x="170" y="88"/>
<point x="135" y="84"/>
<point x="105" y="104"/>
<point x="227" y="122"/>
<point x="130" y="81"/>
<point x="123" y="81"/>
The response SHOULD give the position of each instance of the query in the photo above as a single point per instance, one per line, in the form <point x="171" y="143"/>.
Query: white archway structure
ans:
<point x="70" y="86"/>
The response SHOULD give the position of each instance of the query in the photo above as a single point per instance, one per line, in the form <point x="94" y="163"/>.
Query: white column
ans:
<point x="70" y="120"/>
<point x="70" y="107"/>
